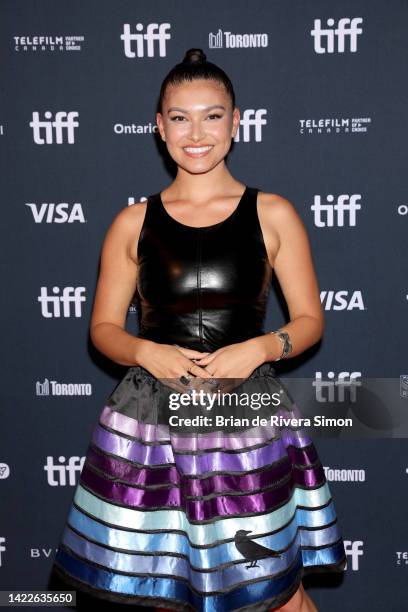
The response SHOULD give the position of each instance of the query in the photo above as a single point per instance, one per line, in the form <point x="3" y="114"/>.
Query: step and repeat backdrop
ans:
<point x="322" y="91"/>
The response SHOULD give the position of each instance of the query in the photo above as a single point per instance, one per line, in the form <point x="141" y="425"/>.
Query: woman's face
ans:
<point x="197" y="114"/>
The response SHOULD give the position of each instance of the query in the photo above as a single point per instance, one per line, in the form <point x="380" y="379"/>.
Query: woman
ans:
<point x="196" y="522"/>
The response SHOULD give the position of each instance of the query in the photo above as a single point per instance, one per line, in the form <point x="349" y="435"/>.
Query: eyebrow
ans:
<point x="183" y="110"/>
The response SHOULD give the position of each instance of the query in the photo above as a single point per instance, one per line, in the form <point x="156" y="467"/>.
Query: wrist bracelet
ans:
<point x="286" y="344"/>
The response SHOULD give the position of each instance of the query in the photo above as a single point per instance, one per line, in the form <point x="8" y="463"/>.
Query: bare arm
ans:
<point x="115" y="288"/>
<point x="294" y="269"/>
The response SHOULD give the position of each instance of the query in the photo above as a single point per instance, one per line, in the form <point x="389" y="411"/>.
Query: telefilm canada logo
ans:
<point x="401" y="557"/>
<point x="334" y="125"/>
<point x="50" y="42"/>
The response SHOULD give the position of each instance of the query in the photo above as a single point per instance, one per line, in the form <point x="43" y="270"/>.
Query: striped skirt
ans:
<point x="212" y="522"/>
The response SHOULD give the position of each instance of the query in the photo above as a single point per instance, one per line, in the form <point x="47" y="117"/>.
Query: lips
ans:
<point x="197" y="151"/>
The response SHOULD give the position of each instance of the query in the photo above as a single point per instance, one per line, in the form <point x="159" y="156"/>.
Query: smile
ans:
<point x="197" y="151"/>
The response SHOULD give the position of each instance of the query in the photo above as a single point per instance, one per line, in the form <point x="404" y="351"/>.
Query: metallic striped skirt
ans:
<point x="210" y="521"/>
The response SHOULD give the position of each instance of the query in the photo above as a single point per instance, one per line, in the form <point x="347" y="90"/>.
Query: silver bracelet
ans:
<point x="286" y="344"/>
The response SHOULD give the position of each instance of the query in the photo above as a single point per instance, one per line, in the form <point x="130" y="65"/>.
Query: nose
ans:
<point x="197" y="131"/>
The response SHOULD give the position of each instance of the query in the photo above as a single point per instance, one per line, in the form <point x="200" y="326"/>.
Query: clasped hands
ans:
<point x="223" y="366"/>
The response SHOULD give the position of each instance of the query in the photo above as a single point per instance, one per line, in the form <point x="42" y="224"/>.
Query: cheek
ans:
<point x="221" y="131"/>
<point x="177" y="130"/>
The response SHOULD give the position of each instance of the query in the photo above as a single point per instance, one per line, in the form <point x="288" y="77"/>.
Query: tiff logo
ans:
<point x="334" y="388"/>
<point x="354" y="550"/>
<point x="51" y="305"/>
<point x="154" y="32"/>
<point x="44" y="131"/>
<point x="57" y="474"/>
<point x="329" y="215"/>
<point x="325" y="38"/>
<point x="251" y="122"/>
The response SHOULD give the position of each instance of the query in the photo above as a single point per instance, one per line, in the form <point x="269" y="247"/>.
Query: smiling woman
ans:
<point x="221" y="519"/>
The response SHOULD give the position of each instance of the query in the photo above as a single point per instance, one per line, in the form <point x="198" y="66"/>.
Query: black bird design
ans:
<point x="252" y="550"/>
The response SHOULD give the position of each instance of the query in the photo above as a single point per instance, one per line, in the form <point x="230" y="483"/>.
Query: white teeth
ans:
<point x="197" y="149"/>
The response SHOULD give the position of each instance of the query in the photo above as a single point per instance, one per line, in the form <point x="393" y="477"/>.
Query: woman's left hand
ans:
<point x="236" y="360"/>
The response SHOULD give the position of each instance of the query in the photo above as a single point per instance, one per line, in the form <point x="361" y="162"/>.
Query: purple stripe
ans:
<point x="195" y="464"/>
<point x="149" y="432"/>
<point x="202" y="510"/>
<point x="127" y="471"/>
<point x="120" y="470"/>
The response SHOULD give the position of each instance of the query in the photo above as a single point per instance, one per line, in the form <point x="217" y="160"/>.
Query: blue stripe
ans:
<point x="205" y="558"/>
<point x="175" y="589"/>
<point x="225" y="577"/>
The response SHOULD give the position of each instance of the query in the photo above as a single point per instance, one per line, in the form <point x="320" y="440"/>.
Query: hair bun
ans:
<point x="194" y="56"/>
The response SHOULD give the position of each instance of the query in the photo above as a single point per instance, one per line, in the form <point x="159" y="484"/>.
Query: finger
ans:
<point x="206" y="360"/>
<point x="192" y="353"/>
<point x="197" y="371"/>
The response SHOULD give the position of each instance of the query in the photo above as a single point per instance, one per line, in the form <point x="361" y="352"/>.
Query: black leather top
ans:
<point x="202" y="287"/>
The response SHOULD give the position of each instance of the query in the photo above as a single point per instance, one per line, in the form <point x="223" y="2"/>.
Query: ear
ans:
<point x="235" y="121"/>
<point x="159" y="122"/>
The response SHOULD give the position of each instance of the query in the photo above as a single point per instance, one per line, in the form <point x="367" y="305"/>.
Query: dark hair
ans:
<point x="195" y="66"/>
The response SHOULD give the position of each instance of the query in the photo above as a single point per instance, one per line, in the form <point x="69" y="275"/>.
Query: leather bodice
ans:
<point x="202" y="287"/>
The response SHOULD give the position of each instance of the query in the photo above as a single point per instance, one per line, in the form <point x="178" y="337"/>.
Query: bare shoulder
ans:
<point x="279" y="214"/>
<point x="279" y="219"/>
<point x="126" y="227"/>
<point x="276" y="207"/>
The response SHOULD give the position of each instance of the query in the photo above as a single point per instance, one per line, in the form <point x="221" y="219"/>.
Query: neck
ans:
<point x="204" y="186"/>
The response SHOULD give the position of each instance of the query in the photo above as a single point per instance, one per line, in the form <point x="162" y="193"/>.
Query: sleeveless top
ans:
<point x="202" y="287"/>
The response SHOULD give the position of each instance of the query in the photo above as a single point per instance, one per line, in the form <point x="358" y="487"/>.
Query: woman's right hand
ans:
<point x="168" y="361"/>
